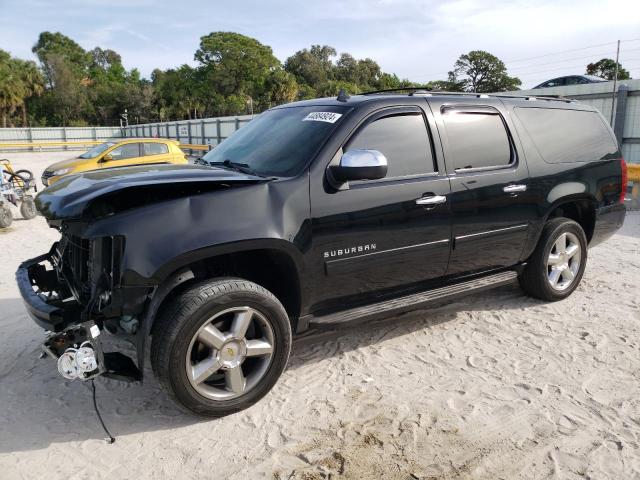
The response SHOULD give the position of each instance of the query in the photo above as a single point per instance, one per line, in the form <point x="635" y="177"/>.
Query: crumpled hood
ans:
<point x="70" y="196"/>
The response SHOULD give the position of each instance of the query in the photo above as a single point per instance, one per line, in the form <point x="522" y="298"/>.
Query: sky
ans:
<point x="418" y="40"/>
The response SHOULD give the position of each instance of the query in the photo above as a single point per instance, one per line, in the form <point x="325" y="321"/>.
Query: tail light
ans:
<point x="625" y="179"/>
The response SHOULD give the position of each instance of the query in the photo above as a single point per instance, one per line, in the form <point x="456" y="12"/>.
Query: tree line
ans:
<point x="234" y="74"/>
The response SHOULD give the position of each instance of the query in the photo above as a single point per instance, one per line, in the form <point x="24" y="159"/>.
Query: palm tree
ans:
<point x="11" y="90"/>
<point x="33" y="85"/>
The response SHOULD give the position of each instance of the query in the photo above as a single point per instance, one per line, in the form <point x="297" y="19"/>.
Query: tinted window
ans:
<point x="280" y="141"/>
<point x="477" y="140"/>
<point x="564" y="136"/>
<point x="403" y="139"/>
<point x="556" y="82"/>
<point x="155" y="148"/>
<point x="576" y="81"/>
<point x="129" y="150"/>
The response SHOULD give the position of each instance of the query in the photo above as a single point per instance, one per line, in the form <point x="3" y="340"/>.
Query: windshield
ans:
<point x="97" y="150"/>
<point x="279" y="142"/>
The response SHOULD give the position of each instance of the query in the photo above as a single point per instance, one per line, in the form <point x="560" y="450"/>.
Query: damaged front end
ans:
<point x="88" y="285"/>
<point x="73" y="293"/>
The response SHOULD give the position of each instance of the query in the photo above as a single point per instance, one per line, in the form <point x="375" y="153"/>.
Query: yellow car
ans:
<point x="123" y="153"/>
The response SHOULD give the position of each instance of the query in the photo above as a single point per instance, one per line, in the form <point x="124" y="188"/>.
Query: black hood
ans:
<point x="71" y="196"/>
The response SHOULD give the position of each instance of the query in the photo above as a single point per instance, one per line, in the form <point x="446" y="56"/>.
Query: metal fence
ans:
<point x="625" y="102"/>
<point x="205" y="131"/>
<point x="57" y="134"/>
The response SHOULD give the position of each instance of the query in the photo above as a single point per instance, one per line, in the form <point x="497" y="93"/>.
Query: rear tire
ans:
<point x="556" y="267"/>
<point x="28" y="208"/>
<point x="220" y="346"/>
<point x="6" y="217"/>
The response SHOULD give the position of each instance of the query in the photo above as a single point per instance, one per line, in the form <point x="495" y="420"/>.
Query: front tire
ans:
<point x="220" y="346"/>
<point x="556" y="267"/>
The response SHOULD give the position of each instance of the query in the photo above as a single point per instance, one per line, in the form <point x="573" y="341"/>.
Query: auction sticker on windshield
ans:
<point x="329" y="117"/>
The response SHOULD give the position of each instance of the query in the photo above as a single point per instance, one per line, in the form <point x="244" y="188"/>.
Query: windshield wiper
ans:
<point x="238" y="167"/>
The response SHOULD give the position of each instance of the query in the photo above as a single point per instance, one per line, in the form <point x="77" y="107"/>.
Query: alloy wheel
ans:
<point x="563" y="262"/>
<point x="230" y="353"/>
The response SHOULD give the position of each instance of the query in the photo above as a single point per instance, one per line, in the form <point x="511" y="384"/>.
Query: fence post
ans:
<point x="202" y="132"/>
<point x="95" y="134"/>
<point x="177" y="131"/>
<point x="237" y="123"/>
<point x="64" y="136"/>
<point x="189" y="132"/>
<point x="218" y="132"/>
<point x="30" y="133"/>
<point x="620" y="114"/>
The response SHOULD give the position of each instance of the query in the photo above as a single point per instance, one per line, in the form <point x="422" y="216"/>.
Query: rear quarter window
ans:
<point x="568" y="136"/>
<point x="153" y="148"/>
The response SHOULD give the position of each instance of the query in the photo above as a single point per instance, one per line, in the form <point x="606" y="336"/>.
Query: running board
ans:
<point x="417" y="300"/>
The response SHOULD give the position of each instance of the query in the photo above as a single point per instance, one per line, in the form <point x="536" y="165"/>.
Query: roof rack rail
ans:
<point x="425" y="91"/>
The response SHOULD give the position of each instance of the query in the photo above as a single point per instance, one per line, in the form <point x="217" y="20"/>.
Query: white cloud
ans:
<point x="414" y="38"/>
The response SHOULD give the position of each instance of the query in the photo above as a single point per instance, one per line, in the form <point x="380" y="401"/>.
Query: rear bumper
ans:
<point x="50" y="315"/>
<point x="607" y="222"/>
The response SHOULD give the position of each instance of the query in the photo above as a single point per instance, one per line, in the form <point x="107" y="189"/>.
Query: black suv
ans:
<point x="318" y="211"/>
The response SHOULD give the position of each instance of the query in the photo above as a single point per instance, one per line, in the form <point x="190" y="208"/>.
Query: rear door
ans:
<point x="378" y="237"/>
<point x="491" y="205"/>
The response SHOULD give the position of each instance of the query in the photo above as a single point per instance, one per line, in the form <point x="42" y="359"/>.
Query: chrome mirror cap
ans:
<point x="363" y="158"/>
<point x="359" y="165"/>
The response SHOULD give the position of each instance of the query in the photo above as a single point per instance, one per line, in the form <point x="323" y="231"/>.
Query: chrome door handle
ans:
<point x="432" y="200"/>
<point x="514" y="188"/>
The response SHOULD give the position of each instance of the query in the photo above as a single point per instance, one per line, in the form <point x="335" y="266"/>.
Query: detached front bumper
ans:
<point x="41" y="291"/>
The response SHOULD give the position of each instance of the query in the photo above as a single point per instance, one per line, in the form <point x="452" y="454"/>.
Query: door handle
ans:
<point x="431" y="200"/>
<point x="514" y="188"/>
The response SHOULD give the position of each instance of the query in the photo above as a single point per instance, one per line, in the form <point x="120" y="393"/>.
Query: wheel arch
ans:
<point x="581" y="209"/>
<point x="273" y="264"/>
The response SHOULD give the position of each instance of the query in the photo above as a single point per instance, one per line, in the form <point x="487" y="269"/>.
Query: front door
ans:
<point x="491" y="206"/>
<point x="123" y="156"/>
<point x="381" y="236"/>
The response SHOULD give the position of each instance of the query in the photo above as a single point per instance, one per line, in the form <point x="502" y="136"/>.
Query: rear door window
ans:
<point x="155" y="148"/>
<point x="403" y="139"/>
<point x="476" y="140"/>
<point x="566" y="136"/>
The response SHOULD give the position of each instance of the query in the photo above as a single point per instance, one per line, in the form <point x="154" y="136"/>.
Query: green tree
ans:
<point x="280" y="87"/>
<point x="451" y="85"/>
<point x="19" y="80"/>
<point x="606" y="68"/>
<point x="364" y="73"/>
<point x="59" y="46"/>
<point x="11" y="89"/>
<point x="312" y="67"/>
<point x="235" y="64"/>
<point x="479" y="71"/>
<point x="32" y="85"/>
<point x="69" y="94"/>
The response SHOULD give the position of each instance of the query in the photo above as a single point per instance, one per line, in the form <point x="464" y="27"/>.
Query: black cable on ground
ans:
<point x="110" y="438"/>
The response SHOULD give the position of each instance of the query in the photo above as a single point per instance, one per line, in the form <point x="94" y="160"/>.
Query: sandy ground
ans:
<point x="495" y="386"/>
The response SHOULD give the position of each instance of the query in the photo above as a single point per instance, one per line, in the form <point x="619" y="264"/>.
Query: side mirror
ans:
<point x="359" y="165"/>
<point x="107" y="158"/>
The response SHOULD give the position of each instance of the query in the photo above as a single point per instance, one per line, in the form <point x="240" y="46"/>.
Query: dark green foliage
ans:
<point x="234" y="74"/>
<point x="606" y="68"/>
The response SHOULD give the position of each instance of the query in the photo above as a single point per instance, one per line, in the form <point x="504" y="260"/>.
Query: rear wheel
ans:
<point x="28" y="208"/>
<point x="556" y="267"/>
<point x="6" y="217"/>
<point x="221" y="346"/>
